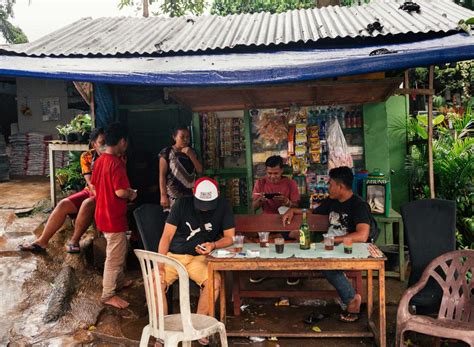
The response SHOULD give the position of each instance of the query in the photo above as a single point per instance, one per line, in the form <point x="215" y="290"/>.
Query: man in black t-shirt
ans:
<point x="196" y="226"/>
<point x="348" y="214"/>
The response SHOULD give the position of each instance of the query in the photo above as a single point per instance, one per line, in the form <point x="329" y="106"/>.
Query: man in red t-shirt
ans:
<point x="112" y="191"/>
<point x="272" y="192"/>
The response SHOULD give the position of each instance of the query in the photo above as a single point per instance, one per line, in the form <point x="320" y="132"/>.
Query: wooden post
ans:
<point x="92" y="105"/>
<point x="145" y="9"/>
<point x="430" y="136"/>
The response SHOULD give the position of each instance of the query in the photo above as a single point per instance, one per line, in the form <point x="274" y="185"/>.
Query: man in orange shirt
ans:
<point x="81" y="203"/>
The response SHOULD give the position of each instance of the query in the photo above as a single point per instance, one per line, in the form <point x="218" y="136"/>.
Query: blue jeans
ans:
<point x="341" y="283"/>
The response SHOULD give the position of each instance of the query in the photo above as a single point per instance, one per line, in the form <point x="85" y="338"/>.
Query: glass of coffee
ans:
<point x="263" y="236"/>
<point x="328" y="242"/>
<point x="347" y="245"/>
<point x="238" y="242"/>
<point x="279" y="245"/>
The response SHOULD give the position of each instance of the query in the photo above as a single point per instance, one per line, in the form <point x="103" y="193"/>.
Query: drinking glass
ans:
<point x="279" y="245"/>
<point x="328" y="242"/>
<point x="238" y="242"/>
<point x="263" y="236"/>
<point x="347" y="245"/>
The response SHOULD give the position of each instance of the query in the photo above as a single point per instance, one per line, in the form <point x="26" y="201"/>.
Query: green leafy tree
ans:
<point x="227" y="7"/>
<point x="10" y="32"/>
<point x="176" y="8"/>
<point x="453" y="163"/>
<point x="173" y="8"/>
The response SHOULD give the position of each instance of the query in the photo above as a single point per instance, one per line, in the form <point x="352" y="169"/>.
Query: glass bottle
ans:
<point x="305" y="237"/>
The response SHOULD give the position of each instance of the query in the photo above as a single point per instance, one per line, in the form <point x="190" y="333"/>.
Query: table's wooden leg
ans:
<point x="222" y="296"/>
<point x="211" y="289"/>
<point x="236" y="292"/>
<point x="401" y="250"/>
<point x="370" y="295"/>
<point x="382" y="315"/>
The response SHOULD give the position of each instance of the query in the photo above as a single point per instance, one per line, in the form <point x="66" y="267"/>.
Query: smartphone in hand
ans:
<point x="271" y="195"/>
<point x="202" y="248"/>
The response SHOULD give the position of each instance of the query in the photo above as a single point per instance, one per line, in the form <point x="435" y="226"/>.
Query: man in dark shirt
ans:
<point x="348" y="214"/>
<point x="196" y="226"/>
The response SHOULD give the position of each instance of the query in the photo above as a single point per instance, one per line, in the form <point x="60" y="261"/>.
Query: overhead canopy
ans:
<point x="302" y="94"/>
<point x="232" y="69"/>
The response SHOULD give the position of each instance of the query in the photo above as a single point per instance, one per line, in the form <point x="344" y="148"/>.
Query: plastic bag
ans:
<point x="338" y="150"/>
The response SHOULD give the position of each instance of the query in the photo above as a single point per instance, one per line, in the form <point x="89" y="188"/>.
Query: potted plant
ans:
<point x="65" y="132"/>
<point x="70" y="177"/>
<point x="82" y="125"/>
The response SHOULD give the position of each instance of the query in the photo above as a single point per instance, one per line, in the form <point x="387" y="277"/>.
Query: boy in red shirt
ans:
<point x="112" y="191"/>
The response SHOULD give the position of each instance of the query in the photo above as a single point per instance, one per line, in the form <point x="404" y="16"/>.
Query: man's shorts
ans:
<point x="78" y="198"/>
<point x="196" y="265"/>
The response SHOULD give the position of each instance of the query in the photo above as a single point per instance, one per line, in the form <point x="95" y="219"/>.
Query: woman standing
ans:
<point x="178" y="168"/>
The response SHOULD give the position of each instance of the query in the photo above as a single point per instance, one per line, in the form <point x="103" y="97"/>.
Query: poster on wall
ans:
<point x="50" y="109"/>
<point x="269" y="136"/>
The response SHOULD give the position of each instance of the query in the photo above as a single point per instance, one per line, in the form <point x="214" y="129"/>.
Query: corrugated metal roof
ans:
<point x="158" y="35"/>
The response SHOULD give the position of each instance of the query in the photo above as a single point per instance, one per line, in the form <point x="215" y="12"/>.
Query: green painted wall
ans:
<point x="385" y="144"/>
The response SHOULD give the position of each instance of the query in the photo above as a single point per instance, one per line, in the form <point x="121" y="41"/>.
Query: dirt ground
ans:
<point x="123" y="327"/>
<point x="24" y="192"/>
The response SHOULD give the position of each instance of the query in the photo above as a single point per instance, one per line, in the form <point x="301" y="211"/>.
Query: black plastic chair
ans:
<point x="150" y="220"/>
<point x="430" y="227"/>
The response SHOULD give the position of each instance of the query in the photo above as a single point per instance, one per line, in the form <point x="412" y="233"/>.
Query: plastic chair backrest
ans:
<point x="150" y="220"/>
<point x="450" y="271"/>
<point x="430" y="232"/>
<point x="430" y="227"/>
<point x="149" y="262"/>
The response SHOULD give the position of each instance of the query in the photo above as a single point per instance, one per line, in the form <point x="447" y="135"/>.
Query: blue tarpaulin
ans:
<point x="231" y="69"/>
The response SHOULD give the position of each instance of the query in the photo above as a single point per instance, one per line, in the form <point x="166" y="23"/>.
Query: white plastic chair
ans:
<point x="174" y="328"/>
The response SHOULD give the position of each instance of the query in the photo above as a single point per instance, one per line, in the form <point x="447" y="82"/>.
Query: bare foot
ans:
<point x="158" y="344"/>
<point x="117" y="301"/>
<point x="354" y="305"/>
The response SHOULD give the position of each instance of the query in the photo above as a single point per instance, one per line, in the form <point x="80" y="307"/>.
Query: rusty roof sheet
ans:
<point x="122" y="36"/>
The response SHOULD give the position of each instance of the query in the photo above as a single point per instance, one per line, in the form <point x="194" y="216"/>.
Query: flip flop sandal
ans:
<point x="33" y="248"/>
<point x="314" y="317"/>
<point x="72" y="248"/>
<point x="349" y="317"/>
<point x="204" y="341"/>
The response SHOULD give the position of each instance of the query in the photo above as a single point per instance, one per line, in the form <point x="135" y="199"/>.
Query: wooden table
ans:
<point x="322" y="260"/>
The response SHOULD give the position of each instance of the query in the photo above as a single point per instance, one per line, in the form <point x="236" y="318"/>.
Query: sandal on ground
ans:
<point x="204" y="341"/>
<point x="33" y="248"/>
<point x="314" y="317"/>
<point x="73" y="248"/>
<point x="349" y="317"/>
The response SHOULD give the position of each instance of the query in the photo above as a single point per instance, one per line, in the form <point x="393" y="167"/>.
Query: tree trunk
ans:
<point x="145" y="9"/>
<point x="324" y="3"/>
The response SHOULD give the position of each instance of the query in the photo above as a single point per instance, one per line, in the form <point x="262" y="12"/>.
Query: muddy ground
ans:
<point x="26" y="284"/>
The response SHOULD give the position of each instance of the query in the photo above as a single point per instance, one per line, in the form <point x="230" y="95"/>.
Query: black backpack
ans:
<point x="374" y="229"/>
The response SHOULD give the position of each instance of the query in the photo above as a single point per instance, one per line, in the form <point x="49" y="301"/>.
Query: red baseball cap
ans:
<point x="206" y="192"/>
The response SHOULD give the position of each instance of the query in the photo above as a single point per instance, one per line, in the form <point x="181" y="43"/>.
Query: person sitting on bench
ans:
<point x="348" y="214"/>
<point x="81" y="203"/>
<point x="271" y="193"/>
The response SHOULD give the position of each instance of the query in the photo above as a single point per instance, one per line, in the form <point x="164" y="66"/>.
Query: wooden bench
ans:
<point x="249" y="225"/>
